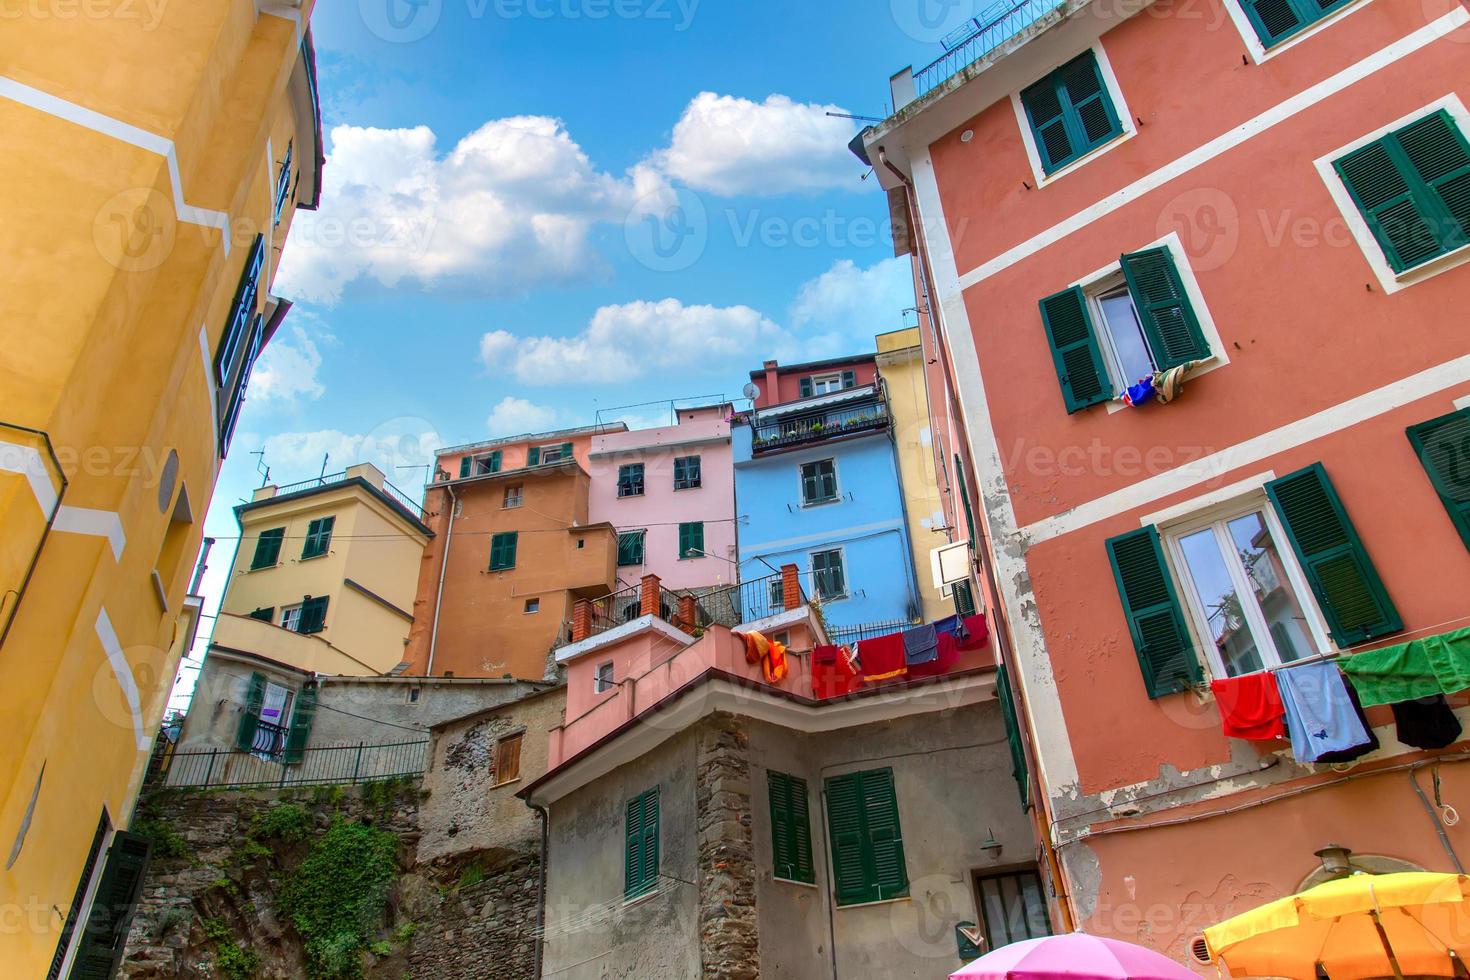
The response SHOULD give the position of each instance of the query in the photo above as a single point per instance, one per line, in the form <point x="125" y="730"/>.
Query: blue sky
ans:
<point x="535" y="210"/>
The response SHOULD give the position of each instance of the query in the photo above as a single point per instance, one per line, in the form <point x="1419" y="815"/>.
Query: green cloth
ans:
<point x="1408" y="671"/>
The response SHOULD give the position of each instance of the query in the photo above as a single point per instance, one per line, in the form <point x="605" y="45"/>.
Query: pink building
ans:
<point x="670" y="492"/>
<point x="1272" y="202"/>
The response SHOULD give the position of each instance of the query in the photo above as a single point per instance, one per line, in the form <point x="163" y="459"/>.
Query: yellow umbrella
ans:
<point x="1362" y="926"/>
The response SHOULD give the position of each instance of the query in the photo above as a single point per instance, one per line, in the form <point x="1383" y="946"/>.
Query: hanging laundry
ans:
<point x="1250" y="706"/>
<point x="1409" y="671"/>
<point x="1140" y="393"/>
<point x="946" y="656"/>
<point x="1357" y="752"/>
<point x="834" y="672"/>
<point x="1170" y="384"/>
<point x="1426" y="723"/>
<point x="1320" y="716"/>
<point x="770" y="654"/>
<point x="975" y="632"/>
<point x="882" y="657"/>
<point x="920" y="646"/>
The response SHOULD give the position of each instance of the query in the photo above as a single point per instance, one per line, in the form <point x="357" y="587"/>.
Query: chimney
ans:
<point x="772" y="392"/>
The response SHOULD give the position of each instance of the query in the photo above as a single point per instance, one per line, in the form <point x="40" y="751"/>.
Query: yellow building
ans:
<point x="325" y="575"/>
<point x="154" y="157"/>
<point x="904" y="372"/>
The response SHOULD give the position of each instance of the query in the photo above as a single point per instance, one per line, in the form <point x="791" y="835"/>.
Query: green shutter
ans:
<point x="691" y="539"/>
<point x="1443" y="446"/>
<point x="1341" y="574"/>
<point x="1164" y="311"/>
<point x="106" y="934"/>
<point x="849" y="379"/>
<point x="318" y="537"/>
<point x="302" y="715"/>
<point x="1070" y="112"/>
<point x="1075" y="350"/>
<point x="1046" y="113"/>
<point x="1155" y="619"/>
<point x="959" y="470"/>
<point x="964" y="599"/>
<point x="250" y="717"/>
<point x="533" y="456"/>
<point x="566" y="451"/>
<point x="1413" y="188"/>
<point x="313" y="614"/>
<point x="791" y="840"/>
<point x="866" y="839"/>
<point x="806" y="387"/>
<point x="268" y="548"/>
<point x="1274" y="20"/>
<point x="1006" y="696"/>
<point x="640" y="854"/>
<point x="630" y="548"/>
<point x="503" y="551"/>
<point x="495" y="459"/>
<point x="464" y="466"/>
<point x="266" y="614"/>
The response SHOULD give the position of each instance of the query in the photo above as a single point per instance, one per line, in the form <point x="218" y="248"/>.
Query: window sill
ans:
<point x="881" y="901"/>
<point x="508" y="782"/>
<point x="314" y="557"/>
<point x="262" y="568"/>
<point x="697" y="486"/>
<point x="640" y="899"/>
<point x="792" y="881"/>
<point x="820" y="503"/>
<point x="1432" y="268"/>
<point x="1046" y="179"/>
<point x="629" y="496"/>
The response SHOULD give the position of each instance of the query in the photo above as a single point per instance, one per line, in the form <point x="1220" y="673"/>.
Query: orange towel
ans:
<point x="770" y="654"/>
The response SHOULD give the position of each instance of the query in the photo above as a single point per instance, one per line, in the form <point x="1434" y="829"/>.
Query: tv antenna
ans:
<point x="260" y="467"/>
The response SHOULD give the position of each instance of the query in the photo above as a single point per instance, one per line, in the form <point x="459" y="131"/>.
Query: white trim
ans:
<point x="811" y="565"/>
<point x="101" y="523"/>
<point x="1258" y="50"/>
<point x="1324" y="423"/>
<point x="1306" y="99"/>
<point x="1178" y="512"/>
<point x="126" y="133"/>
<point x="27" y="462"/>
<point x="1120" y="108"/>
<point x="631" y="628"/>
<point x="801" y="543"/>
<point x="1391" y="281"/>
<point x="802" y="502"/>
<point x="1461" y="403"/>
<point x="123" y="671"/>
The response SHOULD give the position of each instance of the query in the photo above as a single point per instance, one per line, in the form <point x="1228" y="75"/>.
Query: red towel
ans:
<point x="883" y="657"/>
<point x="834" y="672"/>
<point x="1250" y="706"/>
<point x="943" y="663"/>
<point x="978" y="632"/>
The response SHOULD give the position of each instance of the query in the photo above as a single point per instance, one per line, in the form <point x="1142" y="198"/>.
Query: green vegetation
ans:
<point x="287" y="822"/>
<point x="471" y="876"/>
<point x="167" y="842"/>
<point x="232" y="962"/>
<point x="383" y="793"/>
<point x="337" y="897"/>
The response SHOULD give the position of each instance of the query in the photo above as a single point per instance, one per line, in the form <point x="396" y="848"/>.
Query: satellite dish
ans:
<point x="751" y="391"/>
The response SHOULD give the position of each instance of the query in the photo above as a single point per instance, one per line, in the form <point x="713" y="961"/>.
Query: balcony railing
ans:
<point x="796" y="430"/>
<point x="396" y="495"/>
<point x="745" y="602"/>
<point x="270" y="740"/>
<point x="999" y="23"/>
<point x="693" y="612"/>
<point x="332" y="764"/>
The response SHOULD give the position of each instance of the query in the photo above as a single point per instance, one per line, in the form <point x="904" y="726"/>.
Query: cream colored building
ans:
<point x="325" y="574"/>
<point x="901" y="365"/>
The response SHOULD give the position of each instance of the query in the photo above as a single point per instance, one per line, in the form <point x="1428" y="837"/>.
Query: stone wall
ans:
<point x="215" y="897"/>
<point x="729" y="939"/>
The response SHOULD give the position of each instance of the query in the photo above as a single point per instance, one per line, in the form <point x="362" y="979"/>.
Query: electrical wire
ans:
<point x="457" y="533"/>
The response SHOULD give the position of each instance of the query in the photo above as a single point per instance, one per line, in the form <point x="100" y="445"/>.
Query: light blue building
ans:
<point x="817" y="485"/>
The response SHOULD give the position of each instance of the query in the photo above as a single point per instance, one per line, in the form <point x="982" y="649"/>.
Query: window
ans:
<point x="640" y="856"/>
<point x="533" y="606"/>
<point x="482" y="465"/>
<point x="866" y="841"/>
<point x="283" y="183"/>
<point x="777" y="594"/>
<point x="104" y="933"/>
<point x="74" y="910"/>
<point x="543" y="455"/>
<point x="1277" y="20"/>
<point x="791" y="831"/>
<point x="513" y="497"/>
<point x="691" y="540"/>
<point x="1012" y="907"/>
<point x="312" y="615"/>
<point x="275" y="722"/>
<point x="603" y="681"/>
<point x="831" y="581"/>
<point x="1120" y="330"/>
<point x="1245" y="591"/>
<point x="630" y="548"/>
<point x="268" y="548"/>
<point x="414" y="694"/>
<point x="290" y="617"/>
<point x="503" y="551"/>
<point x="318" y="537"/>
<point x="630" y="480"/>
<point x="1070" y="112"/>
<point x="1413" y="189"/>
<point x="507" y="760"/>
<point x="1443" y="446"/>
<point x="686" y="472"/>
<point x="827" y="384"/>
<point x="239" y="346"/>
<point x="964" y="599"/>
<point x="819" y="481"/>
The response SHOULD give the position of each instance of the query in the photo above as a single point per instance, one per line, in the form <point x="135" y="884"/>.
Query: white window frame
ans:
<point x="291" y="617"/>
<point x="819" y="381"/>
<point x="515" y="495"/>
<point x="1217" y="516"/>
<point x="811" y="562"/>
<point x="1390" y="281"/>
<point x="1101" y="280"/>
<point x="1120" y="106"/>
<point x="532" y="606"/>
<point x="601" y="684"/>
<point x="836" y="483"/>
<point x="1259" y="52"/>
<point x="554" y="448"/>
<point x="475" y="462"/>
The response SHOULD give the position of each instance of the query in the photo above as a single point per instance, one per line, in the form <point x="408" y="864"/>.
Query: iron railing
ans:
<point x="328" y="765"/>
<point x="848" y="635"/>
<point x="731" y="606"/>
<point x="866" y="416"/>
<point x="999" y="23"/>
<point x="399" y="497"/>
<point x="270" y="740"/>
<point x="744" y="602"/>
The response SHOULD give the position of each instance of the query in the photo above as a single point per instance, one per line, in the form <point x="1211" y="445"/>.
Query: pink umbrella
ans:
<point x="1075" y="957"/>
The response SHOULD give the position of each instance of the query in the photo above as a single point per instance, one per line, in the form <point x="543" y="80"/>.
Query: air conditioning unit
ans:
<point x="950" y="563"/>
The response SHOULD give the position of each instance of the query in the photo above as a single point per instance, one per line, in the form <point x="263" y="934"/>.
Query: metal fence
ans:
<point x="743" y="603"/>
<point x="398" y="496"/>
<point x="862" y="417"/>
<point x="999" y="23"/>
<point x="848" y="635"/>
<point x="327" y="765"/>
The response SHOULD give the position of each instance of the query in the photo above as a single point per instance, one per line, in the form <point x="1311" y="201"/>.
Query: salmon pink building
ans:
<point x="1196" y="274"/>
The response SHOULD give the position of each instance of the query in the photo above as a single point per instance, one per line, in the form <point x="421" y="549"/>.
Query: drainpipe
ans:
<point x="541" y="886"/>
<point x="201" y="566"/>
<point x="1041" y="802"/>
<point x="443" y="566"/>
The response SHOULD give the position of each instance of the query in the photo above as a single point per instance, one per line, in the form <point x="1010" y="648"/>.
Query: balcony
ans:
<point x="978" y="37"/>
<point x="853" y="412"/>
<point x="691" y="613"/>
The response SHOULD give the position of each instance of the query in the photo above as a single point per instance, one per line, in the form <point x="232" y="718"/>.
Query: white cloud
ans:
<point x="395" y="447"/>
<point x="514" y="416"/>
<point x="843" y="309"/>
<point x="288" y="370"/>
<point x="728" y="146"/>
<point x="629" y="341"/>
<point x="511" y="205"/>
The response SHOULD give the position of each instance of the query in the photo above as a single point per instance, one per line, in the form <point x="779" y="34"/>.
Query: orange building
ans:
<point x="512" y="552"/>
